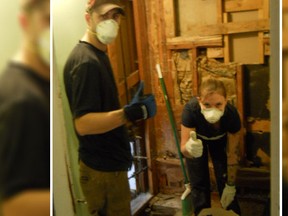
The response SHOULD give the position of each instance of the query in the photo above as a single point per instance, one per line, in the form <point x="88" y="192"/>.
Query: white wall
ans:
<point x="10" y="31"/>
<point x="68" y="28"/>
<point x="61" y="193"/>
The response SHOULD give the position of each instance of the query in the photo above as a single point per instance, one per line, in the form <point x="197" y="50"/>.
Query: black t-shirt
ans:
<point x="193" y="118"/>
<point x="24" y="131"/>
<point x="90" y="87"/>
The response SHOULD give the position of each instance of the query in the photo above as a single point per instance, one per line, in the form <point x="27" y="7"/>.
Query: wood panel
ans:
<point x="226" y="41"/>
<point x="169" y="17"/>
<point x="192" y="42"/>
<point x="142" y="13"/>
<point x="285" y="39"/>
<point x="131" y="81"/>
<point x="261" y="38"/>
<point x="263" y="13"/>
<point x="242" y="5"/>
<point x="285" y="4"/>
<point x="231" y="28"/>
<point x="219" y="11"/>
<point x="195" y="77"/>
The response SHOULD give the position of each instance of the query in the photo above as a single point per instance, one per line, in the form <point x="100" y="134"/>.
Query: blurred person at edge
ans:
<point x="25" y="117"/>
<point x="104" y="149"/>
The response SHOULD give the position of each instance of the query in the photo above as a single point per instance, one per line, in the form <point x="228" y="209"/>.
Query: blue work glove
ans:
<point x="141" y="107"/>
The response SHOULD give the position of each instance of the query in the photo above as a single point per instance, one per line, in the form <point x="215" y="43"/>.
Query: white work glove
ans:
<point x="228" y="195"/>
<point x="194" y="146"/>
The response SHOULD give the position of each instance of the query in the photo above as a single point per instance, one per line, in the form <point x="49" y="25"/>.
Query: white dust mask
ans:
<point x="212" y="115"/>
<point x="107" y="31"/>
<point x="44" y="46"/>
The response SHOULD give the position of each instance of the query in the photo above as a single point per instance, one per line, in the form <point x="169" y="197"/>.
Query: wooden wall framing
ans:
<point x="224" y="27"/>
<point x="157" y="37"/>
<point x="216" y="37"/>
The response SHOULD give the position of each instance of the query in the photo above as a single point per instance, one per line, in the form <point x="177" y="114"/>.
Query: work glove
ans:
<point x="228" y="195"/>
<point x="194" y="146"/>
<point x="141" y="106"/>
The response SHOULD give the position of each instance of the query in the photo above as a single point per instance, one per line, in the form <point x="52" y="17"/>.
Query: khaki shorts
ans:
<point x="106" y="193"/>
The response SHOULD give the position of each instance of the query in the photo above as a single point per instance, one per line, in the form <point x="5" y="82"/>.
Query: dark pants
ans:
<point x="200" y="179"/>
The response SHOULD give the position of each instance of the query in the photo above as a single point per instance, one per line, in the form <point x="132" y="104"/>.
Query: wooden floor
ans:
<point x="170" y="205"/>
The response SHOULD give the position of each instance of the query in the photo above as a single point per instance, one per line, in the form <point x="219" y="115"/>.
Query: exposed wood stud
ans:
<point x="242" y="5"/>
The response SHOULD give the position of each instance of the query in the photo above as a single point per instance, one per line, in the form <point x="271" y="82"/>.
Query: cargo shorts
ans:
<point x="106" y="193"/>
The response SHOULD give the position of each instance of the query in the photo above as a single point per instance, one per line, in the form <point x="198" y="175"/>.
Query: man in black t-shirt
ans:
<point x="25" y="118"/>
<point x="104" y="149"/>
<point x="211" y="124"/>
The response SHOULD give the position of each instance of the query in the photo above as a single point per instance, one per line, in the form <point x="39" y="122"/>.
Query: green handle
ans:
<point x="172" y="121"/>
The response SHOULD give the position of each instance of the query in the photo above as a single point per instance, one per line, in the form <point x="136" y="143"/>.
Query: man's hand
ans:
<point x="144" y="108"/>
<point x="141" y="106"/>
<point x="228" y="195"/>
<point x="194" y="146"/>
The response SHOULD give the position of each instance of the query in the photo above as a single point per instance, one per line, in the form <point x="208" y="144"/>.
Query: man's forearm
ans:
<point x="97" y="123"/>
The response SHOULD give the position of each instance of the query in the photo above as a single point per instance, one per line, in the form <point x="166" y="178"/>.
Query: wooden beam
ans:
<point x="163" y="51"/>
<point x="192" y="42"/>
<point x="239" y="91"/>
<point x="240" y="107"/>
<point x="194" y="68"/>
<point x="219" y="11"/>
<point x="285" y="4"/>
<point x="121" y="88"/>
<point x="285" y="39"/>
<point x="226" y="41"/>
<point x="141" y="40"/>
<point x="261" y="38"/>
<point x="141" y="15"/>
<point x="231" y="28"/>
<point x="169" y="17"/>
<point x="242" y="5"/>
<point x="260" y="126"/>
<point x="133" y="79"/>
<point x="266" y="8"/>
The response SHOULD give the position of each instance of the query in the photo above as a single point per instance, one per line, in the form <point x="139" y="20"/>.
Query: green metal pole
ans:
<point x="186" y="198"/>
<point x="172" y="121"/>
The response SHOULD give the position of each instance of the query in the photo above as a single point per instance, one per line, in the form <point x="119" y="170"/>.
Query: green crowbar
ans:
<point x="187" y="207"/>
